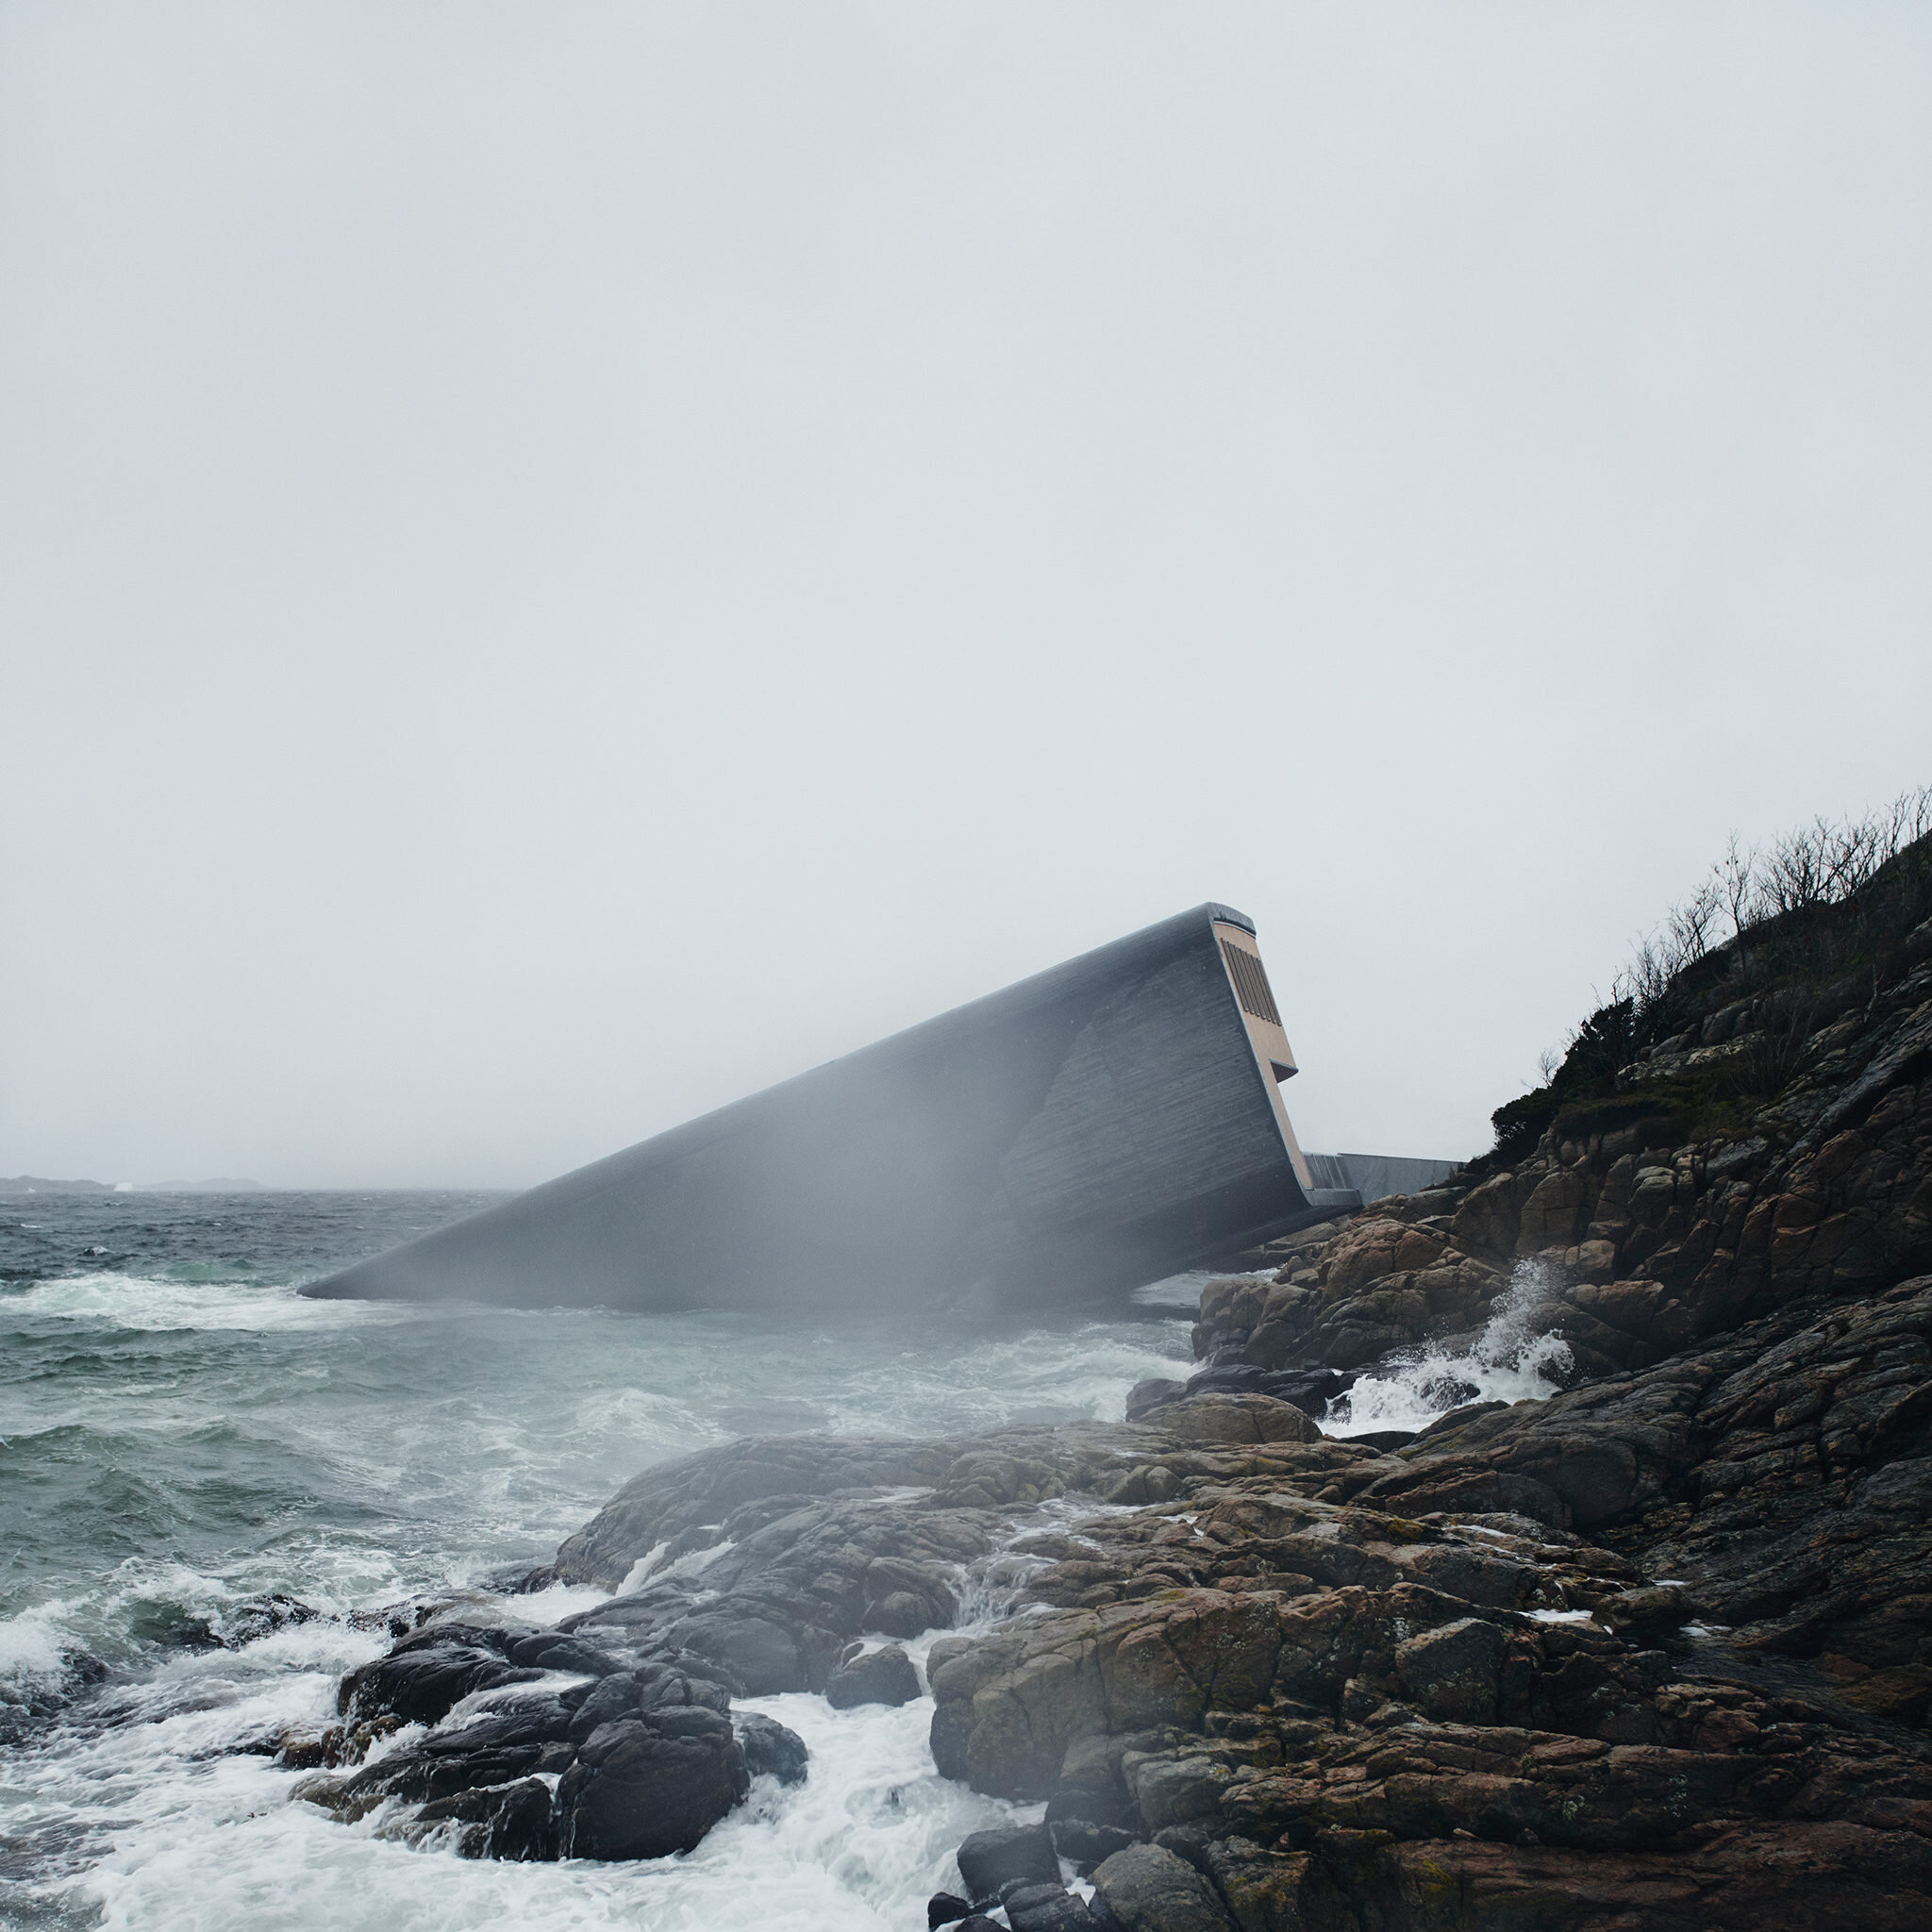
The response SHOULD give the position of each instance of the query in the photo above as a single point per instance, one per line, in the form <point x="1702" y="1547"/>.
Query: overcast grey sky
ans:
<point x="565" y="561"/>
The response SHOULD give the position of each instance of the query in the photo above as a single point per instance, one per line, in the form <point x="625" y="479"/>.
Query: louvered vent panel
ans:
<point x="1250" y="982"/>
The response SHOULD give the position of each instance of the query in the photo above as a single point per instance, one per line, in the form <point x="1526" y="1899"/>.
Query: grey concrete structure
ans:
<point x="1375" y="1176"/>
<point x="1099" y="1126"/>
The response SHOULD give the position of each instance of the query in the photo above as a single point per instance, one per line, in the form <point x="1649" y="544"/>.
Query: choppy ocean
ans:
<point x="180" y="1431"/>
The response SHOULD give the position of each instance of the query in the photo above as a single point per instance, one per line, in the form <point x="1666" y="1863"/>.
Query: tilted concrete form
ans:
<point x="1101" y="1125"/>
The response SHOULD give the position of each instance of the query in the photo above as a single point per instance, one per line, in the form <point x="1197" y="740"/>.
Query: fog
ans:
<point x="563" y="563"/>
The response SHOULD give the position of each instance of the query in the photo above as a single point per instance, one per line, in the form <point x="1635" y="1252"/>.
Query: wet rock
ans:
<point x="945" y="1909"/>
<point x="1262" y="1889"/>
<point x="1202" y="1419"/>
<point x="1144" y="1397"/>
<point x="771" y="1749"/>
<point x="27" y="1704"/>
<point x="428" y="1672"/>
<point x="1645" y="1617"/>
<point x="899" y="1613"/>
<point x="520" y="1579"/>
<point x="767" y="1649"/>
<point x="1901" y="1694"/>
<point x="1148" y="1889"/>
<point x="1047" y="1909"/>
<point x="1310" y="1387"/>
<point x="1453" y="1672"/>
<point x="613" y="1698"/>
<point x="297" y="1748"/>
<point x="1819" y="1874"/>
<point x="175" y="1627"/>
<point x="708" y="1487"/>
<point x="875" y="1676"/>
<point x="497" y="1749"/>
<point x="1085" y="1844"/>
<point x="262" y="1616"/>
<point x="1179" y="1787"/>
<point x="510" y="1821"/>
<point x="905" y="1598"/>
<point x="643" y="1787"/>
<point x="1091" y="1789"/>
<point x="654" y="1684"/>
<point x="1008" y="1853"/>
<point x="1009" y="1706"/>
<point x="647" y="1761"/>
<point x="550" y="1650"/>
<point x="679" y="1678"/>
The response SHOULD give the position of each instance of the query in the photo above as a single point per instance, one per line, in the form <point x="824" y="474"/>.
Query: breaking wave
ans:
<point x="1507" y="1361"/>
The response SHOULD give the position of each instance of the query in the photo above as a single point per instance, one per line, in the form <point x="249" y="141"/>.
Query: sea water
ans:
<point x="180" y="1431"/>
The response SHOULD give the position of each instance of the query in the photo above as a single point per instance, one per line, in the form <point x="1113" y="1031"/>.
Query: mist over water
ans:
<point x="180" y="1431"/>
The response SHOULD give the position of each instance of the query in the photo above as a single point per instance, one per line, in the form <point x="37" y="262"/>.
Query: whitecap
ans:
<point x="1506" y="1363"/>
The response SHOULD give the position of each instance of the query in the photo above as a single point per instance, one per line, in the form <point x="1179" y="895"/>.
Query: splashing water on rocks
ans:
<point x="1504" y="1362"/>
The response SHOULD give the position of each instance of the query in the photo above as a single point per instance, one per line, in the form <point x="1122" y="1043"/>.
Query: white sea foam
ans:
<point x="1506" y="1363"/>
<point x="181" y="1834"/>
<point x="554" y="1604"/>
<point x="167" y="1301"/>
<point x="861" y="1844"/>
<point x="31" y="1648"/>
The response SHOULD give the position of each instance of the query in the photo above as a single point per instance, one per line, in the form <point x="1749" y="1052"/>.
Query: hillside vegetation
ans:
<point x="1709" y="1017"/>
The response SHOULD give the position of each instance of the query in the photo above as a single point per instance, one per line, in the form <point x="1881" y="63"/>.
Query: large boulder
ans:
<point x="1048" y="1908"/>
<point x="1009" y="1704"/>
<point x="1310" y="1388"/>
<point x="771" y="1749"/>
<point x="1234" y="1418"/>
<point x="1005" y="1854"/>
<point x="645" y="1787"/>
<point x="904" y="1597"/>
<point x="427" y="1673"/>
<point x="514" y="1822"/>
<point x="524" y="1739"/>
<point x="875" y="1676"/>
<point x="1148" y="1889"/>
<point x="767" y="1651"/>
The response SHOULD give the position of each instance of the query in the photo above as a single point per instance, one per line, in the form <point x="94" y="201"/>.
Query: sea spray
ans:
<point x="1505" y="1362"/>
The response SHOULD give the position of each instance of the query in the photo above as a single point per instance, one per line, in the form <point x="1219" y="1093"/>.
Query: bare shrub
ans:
<point x="1754" y="901"/>
<point x="1795" y="930"/>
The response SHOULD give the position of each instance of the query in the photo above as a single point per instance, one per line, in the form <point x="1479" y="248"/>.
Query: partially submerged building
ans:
<point x="1099" y="1126"/>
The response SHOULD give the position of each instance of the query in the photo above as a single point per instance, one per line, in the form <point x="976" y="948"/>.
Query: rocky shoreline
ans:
<point x="1655" y="1652"/>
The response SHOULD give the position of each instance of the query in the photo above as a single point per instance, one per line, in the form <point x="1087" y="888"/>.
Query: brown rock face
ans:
<point x="1204" y="1420"/>
<point x="1646" y="1242"/>
<point x="1656" y="1652"/>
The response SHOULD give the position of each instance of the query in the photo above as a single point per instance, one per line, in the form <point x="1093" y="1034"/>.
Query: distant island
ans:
<point x="41" y="1183"/>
